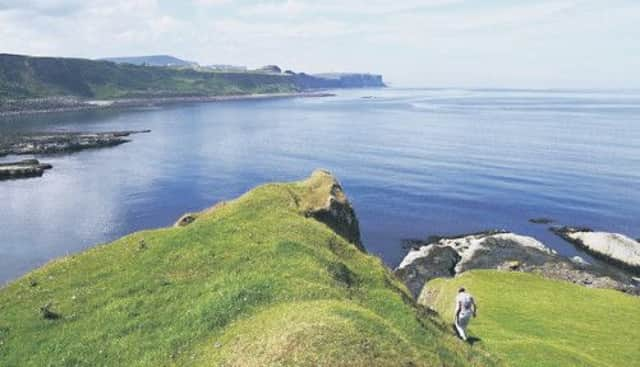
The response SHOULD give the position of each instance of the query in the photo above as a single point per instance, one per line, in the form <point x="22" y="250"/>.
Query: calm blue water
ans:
<point x="415" y="162"/>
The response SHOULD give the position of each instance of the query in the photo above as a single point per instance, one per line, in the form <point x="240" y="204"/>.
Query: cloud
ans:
<point x="424" y="41"/>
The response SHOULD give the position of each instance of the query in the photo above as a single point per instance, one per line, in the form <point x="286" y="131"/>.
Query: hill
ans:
<point x="37" y="77"/>
<point x="275" y="277"/>
<point x="528" y="320"/>
<point x="25" y="77"/>
<point x="151" y="60"/>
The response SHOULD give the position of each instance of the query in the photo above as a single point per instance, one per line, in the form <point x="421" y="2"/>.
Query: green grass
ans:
<point x="250" y="283"/>
<point x="531" y="321"/>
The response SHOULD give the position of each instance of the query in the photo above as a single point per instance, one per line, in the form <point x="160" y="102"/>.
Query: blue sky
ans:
<point x="432" y="43"/>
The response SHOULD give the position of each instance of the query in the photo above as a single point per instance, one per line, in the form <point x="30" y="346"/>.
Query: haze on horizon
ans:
<point x="463" y="43"/>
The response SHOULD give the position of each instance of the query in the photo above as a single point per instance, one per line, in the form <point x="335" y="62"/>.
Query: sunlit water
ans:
<point x="414" y="163"/>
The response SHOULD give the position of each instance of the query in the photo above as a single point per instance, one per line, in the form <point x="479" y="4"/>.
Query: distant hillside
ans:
<point x="36" y="77"/>
<point x="25" y="77"/>
<point x="152" y="60"/>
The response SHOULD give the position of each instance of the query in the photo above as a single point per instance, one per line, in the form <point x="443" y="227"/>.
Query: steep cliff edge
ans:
<point x="275" y="277"/>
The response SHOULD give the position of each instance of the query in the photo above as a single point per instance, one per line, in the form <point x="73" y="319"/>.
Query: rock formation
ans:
<point x="614" y="248"/>
<point x="55" y="142"/>
<point x="326" y="202"/>
<point x="448" y="257"/>
<point x="23" y="169"/>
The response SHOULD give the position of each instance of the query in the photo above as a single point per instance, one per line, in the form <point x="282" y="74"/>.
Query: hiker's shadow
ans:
<point x="471" y="340"/>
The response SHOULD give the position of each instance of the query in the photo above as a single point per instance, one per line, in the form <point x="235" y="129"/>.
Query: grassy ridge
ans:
<point x="253" y="282"/>
<point x="35" y="77"/>
<point x="531" y="321"/>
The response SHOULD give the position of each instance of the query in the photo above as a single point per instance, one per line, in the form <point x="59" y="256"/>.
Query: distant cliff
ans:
<point x="338" y="80"/>
<point x="352" y="80"/>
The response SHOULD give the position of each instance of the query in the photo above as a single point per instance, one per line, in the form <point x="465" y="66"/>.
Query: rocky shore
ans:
<point x="23" y="169"/>
<point x="62" y="142"/>
<point x="614" y="248"/>
<point x="506" y="251"/>
<point x="67" y="104"/>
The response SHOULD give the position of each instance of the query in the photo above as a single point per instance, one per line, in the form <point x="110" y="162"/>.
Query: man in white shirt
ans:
<point x="465" y="308"/>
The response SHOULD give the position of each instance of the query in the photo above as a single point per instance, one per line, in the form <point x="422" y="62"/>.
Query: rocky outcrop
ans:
<point x="448" y="257"/>
<point x="23" y="169"/>
<point x="189" y="218"/>
<point x="326" y="201"/>
<point x="427" y="263"/>
<point x="51" y="143"/>
<point x="614" y="248"/>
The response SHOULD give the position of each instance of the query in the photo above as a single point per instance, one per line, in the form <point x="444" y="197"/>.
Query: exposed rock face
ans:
<point x="447" y="257"/>
<point x="491" y="251"/>
<point x="326" y="202"/>
<point x="23" y="169"/>
<point x="427" y="263"/>
<point x="614" y="248"/>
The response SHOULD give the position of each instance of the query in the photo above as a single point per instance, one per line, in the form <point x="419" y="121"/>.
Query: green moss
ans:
<point x="531" y="321"/>
<point x="253" y="282"/>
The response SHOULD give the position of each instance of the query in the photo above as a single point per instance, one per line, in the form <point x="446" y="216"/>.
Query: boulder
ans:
<point x="614" y="248"/>
<point x="189" y="218"/>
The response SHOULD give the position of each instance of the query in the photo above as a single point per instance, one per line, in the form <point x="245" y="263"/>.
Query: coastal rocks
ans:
<point x="487" y="250"/>
<point x="326" y="202"/>
<point x="23" y="169"/>
<point x="427" y="263"/>
<point x="541" y="220"/>
<point x="614" y="248"/>
<point x="51" y="143"/>
<point x="505" y="251"/>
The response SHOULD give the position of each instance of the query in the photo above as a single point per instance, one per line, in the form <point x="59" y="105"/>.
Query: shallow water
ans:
<point x="415" y="162"/>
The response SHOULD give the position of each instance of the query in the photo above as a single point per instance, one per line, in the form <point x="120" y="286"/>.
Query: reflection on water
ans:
<point x="414" y="162"/>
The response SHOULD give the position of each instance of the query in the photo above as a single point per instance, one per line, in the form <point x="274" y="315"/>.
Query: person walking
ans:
<point x="465" y="308"/>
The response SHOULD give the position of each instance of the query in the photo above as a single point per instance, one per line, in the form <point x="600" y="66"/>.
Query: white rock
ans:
<point x="467" y="246"/>
<point x="614" y="245"/>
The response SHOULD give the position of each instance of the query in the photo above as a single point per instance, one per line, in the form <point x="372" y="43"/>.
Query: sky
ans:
<point x="427" y="43"/>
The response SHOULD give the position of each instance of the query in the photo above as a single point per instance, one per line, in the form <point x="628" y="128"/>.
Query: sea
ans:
<point x="414" y="163"/>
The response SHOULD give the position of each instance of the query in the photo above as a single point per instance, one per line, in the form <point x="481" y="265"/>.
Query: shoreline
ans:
<point x="70" y="104"/>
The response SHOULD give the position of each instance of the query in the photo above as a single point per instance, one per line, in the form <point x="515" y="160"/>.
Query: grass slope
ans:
<point x="531" y="321"/>
<point x="253" y="282"/>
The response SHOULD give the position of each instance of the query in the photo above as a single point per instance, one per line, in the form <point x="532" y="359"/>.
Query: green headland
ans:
<point x="278" y="277"/>
<point x="252" y="282"/>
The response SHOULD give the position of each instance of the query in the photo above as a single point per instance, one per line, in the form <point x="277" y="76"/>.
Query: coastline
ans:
<point x="71" y="104"/>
